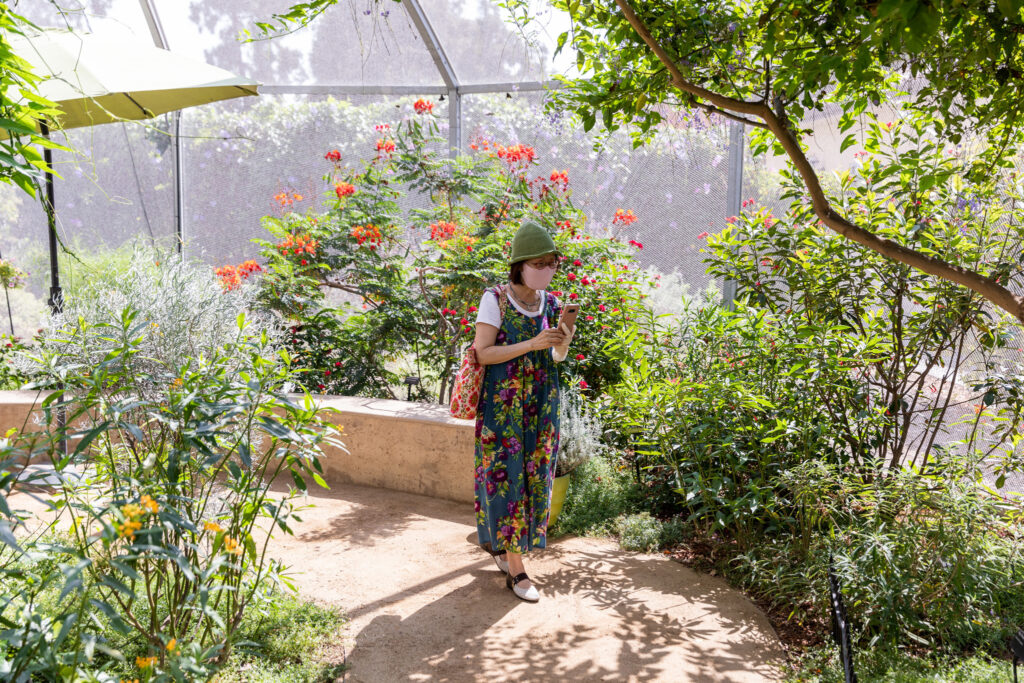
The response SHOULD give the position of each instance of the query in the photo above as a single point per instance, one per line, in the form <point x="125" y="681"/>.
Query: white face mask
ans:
<point x="537" y="278"/>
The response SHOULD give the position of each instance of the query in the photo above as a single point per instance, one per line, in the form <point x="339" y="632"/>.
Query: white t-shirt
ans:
<point x="488" y="311"/>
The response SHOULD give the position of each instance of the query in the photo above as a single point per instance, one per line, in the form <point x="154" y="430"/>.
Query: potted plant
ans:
<point x="579" y="441"/>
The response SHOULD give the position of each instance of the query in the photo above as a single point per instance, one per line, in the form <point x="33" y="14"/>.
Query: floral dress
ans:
<point x="517" y="439"/>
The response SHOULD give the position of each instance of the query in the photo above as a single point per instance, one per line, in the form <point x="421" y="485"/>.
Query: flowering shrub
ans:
<point x="415" y="277"/>
<point x="166" y="487"/>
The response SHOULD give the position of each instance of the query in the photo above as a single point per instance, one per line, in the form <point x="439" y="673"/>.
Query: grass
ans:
<point x="821" y="665"/>
<point x="291" y="642"/>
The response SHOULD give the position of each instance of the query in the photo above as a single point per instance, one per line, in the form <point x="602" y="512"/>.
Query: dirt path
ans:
<point x="426" y="604"/>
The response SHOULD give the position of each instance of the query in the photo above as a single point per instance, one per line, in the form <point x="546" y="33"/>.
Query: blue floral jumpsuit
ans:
<point x="517" y="439"/>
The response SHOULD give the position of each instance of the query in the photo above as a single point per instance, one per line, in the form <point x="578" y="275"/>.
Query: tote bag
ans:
<point x="469" y="380"/>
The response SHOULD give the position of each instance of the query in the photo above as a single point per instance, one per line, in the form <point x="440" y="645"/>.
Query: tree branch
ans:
<point x="778" y="124"/>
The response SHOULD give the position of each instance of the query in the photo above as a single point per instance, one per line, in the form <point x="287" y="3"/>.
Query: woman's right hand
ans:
<point x="548" y="338"/>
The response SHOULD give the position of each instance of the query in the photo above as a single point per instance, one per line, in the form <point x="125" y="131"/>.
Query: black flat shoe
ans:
<point x="528" y="594"/>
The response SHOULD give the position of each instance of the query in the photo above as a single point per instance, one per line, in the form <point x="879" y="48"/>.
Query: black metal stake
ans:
<point x="56" y="297"/>
<point x="840" y="625"/>
<point x="1017" y="648"/>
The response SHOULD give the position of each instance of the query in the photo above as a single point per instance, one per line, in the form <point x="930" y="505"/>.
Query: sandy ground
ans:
<point x="426" y="604"/>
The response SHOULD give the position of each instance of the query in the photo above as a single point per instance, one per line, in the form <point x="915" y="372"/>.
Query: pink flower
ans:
<point x="583" y="384"/>
<point x="703" y="235"/>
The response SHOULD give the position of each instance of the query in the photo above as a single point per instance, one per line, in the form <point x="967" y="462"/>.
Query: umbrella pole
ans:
<point x="56" y="297"/>
<point x="179" y="203"/>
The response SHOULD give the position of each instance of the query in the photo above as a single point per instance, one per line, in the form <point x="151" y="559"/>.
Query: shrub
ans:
<point x="415" y="276"/>
<point x="170" y="506"/>
<point x="597" y="494"/>
<point x="180" y="312"/>
<point x="639" y="531"/>
<point x="580" y="432"/>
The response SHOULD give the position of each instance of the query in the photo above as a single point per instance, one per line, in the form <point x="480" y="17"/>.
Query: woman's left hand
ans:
<point x="568" y="332"/>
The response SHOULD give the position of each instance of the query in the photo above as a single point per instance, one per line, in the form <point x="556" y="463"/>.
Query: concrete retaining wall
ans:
<point x="412" y="447"/>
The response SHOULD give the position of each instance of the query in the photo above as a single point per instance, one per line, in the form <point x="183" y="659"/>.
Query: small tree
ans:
<point x="767" y="63"/>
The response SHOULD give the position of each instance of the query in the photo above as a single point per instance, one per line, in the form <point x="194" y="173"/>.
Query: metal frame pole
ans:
<point x="437" y="53"/>
<point x="156" y="30"/>
<point x="733" y="194"/>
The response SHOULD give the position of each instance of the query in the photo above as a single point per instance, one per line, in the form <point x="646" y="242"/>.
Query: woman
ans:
<point x="517" y="418"/>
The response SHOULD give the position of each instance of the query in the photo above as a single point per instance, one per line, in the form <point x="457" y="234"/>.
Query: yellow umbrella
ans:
<point x="98" y="79"/>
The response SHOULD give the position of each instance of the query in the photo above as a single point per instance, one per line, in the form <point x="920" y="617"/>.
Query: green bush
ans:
<point x="415" y="276"/>
<point x="166" y="489"/>
<point x="597" y="495"/>
<point x="639" y="531"/>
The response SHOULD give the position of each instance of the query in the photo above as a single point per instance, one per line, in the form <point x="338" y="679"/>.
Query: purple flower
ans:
<point x="492" y="488"/>
<point x="499" y="475"/>
<point x="508" y="396"/>
<point x="540" y="375"/>
<point x="511" y="445"/>
<point x="476" y="506"/>
<point x="507" y="531"/>
<point x="510" y="370"/>
<point x="531" y="466"/>
<point x="531" y="410"/>
<point x="512" y="506"/>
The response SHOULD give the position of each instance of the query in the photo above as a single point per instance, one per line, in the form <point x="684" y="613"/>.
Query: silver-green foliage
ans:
<point x="580" y="433"/>
<point x="181" y="311"/>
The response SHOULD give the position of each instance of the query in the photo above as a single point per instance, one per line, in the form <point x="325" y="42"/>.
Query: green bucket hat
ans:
<point x="531" y="241"/>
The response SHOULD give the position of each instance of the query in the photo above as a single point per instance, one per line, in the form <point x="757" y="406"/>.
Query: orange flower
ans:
<point x="385" y="145"/>
<point x="334" y="155"/>
<point x="442" y="230"/>
<point x="232" y="546"/>
<point x="624" y="217"/>
<point x="367" y="233"/>
<point x="150" y="504"/>
<point x="213" y="526"/>
<point x="423" y="106"/>
<point x="344" y="189"/>
<point x="516" y="153"/>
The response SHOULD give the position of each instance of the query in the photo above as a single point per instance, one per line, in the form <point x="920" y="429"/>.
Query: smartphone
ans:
<point x="569" y="313"/>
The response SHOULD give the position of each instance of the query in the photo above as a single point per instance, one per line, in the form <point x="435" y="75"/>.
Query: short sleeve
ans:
<point x="488" y="311"/>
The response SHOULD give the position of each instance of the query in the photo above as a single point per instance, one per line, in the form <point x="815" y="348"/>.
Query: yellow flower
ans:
<point x="231" y="546"/>
<point x="128" y="528"/>
<point x="173" y="644"/>
<point x="176" y="384"/>
<point x="145" y="662"/>
<point x="213" y="526"/>
<point x="131" y="510"/>
<point x="148" y="502"/>
<point x="129" y="680"/>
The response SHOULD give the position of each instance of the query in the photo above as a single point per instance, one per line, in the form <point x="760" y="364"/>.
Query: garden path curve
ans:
<point x="427" y="604"/>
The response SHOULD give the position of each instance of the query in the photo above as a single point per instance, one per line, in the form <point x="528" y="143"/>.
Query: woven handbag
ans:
<point x="469" y="380"/>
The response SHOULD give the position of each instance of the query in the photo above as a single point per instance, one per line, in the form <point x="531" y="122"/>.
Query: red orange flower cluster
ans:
<point x="442" y="230"/>
<point x="624" y="217"/>
<point x="298" y="244"/>
<point x="516" y="153"/>
<point x="636" y="244"/>
<point x="423" y="106"/>
<point x="287" y="199"/>
<point x="385" y="145"/>
<point x="561" y="177"/>
<point x="334" y="155"/>
<point x="343" y="189"/>
<point x="367" y="233"/>
<point x="232" y="276"/>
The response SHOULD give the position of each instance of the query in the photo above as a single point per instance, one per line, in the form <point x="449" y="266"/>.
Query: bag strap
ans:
<point x="502" y="294"/>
